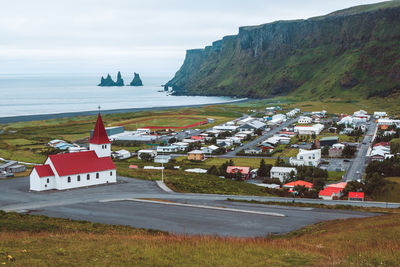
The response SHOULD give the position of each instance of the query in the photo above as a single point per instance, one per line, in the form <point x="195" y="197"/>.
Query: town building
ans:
<point x="304" y="120"/>
<point x="209" y="149"/>
<point x="252" y="126"/>
<point x="307" y="158"/>
<point x="282" y="173"/>
<point x="380" y="114"/>
<point x="235" y="170"/>
<point x="167" y="149"/>
<point x="309" y="130"/>
<point x="356" y="196"/>
<point x="122" y="154"/>
<point x="328" y="141"/>
<point x="196" y="155"/>
<point x="292" y="185"/>
<point x="79" y="169"/>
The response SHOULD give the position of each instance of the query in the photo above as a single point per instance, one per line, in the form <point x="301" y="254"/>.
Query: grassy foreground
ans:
<point x="27" y="240"/>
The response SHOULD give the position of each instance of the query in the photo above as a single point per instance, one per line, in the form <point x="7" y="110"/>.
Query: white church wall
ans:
<point x="72" y="181"/>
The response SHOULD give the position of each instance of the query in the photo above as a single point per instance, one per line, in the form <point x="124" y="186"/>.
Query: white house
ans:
<point x="182" y="146"/>
<point x="79" y="169"/>
<point x="380" y="114"/>
<point x="209" y="149"/>
<point x="282" y="173"/>
<point x="277" y="119"/>
<point x="309" y="130"/>
<point x="304" y="120"/>
<point x="122" y="154"/>
<point x="307" y="158"/>
<point x="167" y="149"/>
<point x="252" y="126"/>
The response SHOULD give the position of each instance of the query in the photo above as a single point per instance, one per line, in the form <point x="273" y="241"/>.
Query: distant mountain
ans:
<point x="136" y="80"/>
<point x="110" y="82"/>
<point x="349" y="53"/>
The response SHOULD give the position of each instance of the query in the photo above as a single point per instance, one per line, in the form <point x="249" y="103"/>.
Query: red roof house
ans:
<point x="329" y="193"/>
<point x="300" y="183"/>
<point x="385" y="144"/>
<point x="359" y="196"/>
<point x="245" y="171"/>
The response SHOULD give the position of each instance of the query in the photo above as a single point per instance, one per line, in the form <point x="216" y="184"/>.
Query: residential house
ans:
<point x="234" y="170"/>
<point x="335" y="152"/>
<point x="167" y="149"/>
<point x="197" y="155"/>
<point x="253" y="150"/>
<point x="121" y="154"/>
<point x="209" y="149"/>
<point x="356" y="196"/>
<point x="252" y="126"/>
<point x="309" y="130"/>
<point x="282" y="173"/>
<point x="380" y="114"/>
<point x="307" y="158"/>
<point x="304" y="120"/>
<point x="182" y="146"/>
<point x="292" y="185"/>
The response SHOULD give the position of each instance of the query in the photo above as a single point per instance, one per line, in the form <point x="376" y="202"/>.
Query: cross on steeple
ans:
<point x="99" y="107"/>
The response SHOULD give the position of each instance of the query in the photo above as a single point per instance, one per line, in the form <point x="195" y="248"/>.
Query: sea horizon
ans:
<point x="54" y="93"/>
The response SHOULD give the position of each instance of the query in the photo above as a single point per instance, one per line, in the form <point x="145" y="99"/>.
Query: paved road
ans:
<point x="113" y="204"/>
<point x="265" y="136"/>
<point x="357" y="165"/>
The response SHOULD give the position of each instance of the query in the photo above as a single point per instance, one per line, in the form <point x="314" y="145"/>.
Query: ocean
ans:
<point x="59" y="93"/>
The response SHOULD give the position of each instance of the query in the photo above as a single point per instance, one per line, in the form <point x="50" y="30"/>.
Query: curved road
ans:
<point x="131" y="202"/>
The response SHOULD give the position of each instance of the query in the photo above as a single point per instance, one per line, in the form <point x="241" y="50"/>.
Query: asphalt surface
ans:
<point x="114" y="204"/>
<point x="357" y="166"/>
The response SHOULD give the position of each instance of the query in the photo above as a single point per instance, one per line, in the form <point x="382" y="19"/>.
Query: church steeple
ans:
<point x="99" y="141"/>
<point x="99" y="134"/>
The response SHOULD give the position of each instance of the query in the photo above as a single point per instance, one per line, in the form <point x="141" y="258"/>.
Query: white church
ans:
<point x="77" y="169"/>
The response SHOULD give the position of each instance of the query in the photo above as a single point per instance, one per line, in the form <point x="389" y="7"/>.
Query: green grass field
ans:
<point x="27" y="240"/>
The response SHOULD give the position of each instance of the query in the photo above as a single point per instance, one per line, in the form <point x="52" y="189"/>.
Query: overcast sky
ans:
<point x="147" y="36"/>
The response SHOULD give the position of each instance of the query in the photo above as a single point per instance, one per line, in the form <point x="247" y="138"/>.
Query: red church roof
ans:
<point x="44" y="170"/>
<point x="99" y="134"/>
<point x="80" y="162"/>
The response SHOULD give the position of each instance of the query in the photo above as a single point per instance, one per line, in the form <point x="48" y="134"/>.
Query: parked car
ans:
<point x="9" y="174"/>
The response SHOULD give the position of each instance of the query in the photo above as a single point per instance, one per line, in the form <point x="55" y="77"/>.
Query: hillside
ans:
<point x="351" y="53"/>
<point x="42" y="241"/>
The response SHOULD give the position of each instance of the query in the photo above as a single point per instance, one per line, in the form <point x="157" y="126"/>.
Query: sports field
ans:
<point x="165" y="122"/>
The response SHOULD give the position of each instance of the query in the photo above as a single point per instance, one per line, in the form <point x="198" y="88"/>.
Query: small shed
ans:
<point x="17" y="168"/>
<point x="357" y="196"/>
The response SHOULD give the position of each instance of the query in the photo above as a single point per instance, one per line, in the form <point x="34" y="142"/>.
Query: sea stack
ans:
<point x="107" y="81"/>
<point x="120" y="81"/>
<point x="136" y="80"/>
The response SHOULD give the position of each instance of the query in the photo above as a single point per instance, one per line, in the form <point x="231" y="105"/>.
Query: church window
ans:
<point x="110" y="173"/>
<point x="97" y="176"/>
<point x="69" y="179"/>
<point x="88" y="177"/>
<point x="78" y="178"/>
<point x="48" y="180"/>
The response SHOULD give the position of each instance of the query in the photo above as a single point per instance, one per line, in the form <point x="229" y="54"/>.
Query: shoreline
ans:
<point x="40" y="117"/>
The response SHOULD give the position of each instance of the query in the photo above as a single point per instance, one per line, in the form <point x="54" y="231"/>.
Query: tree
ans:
<point x="349" y="151"/>
<point x="258" y="132"/>
<point x="213" y="170"/>
<point x="146" y="157"/>
<point x="172" y="140"/>
<point x="318" y="184"/>
<point x="262" y="170"/>
<point x="325" y="151"/>
<point x="313" y="136"/>
<point x="374" y="184"/>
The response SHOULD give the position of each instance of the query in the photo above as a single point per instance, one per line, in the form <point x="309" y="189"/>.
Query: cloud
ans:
<point x="89" y="35"/>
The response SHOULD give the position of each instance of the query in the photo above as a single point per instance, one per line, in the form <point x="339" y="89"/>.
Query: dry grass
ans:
<point x="352" y="242"/>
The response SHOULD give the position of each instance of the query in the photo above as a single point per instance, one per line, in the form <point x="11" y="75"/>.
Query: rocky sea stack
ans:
<point x="110" y="82"/>
<point x="136" y="80"/>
